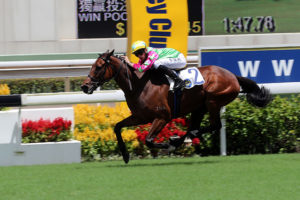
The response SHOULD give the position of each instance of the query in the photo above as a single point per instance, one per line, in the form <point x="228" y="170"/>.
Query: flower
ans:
<point x="46" y="130"/>
<point x="4" y="89"/>
<point x="196" y="141"/>
<point x="175" y="127"/>
<point x="94" y="127"/>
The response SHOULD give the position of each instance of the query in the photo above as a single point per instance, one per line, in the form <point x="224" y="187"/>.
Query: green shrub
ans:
<point x="251" y="130"/>
<point x="272" y="129"/>
<point x="50" y="85"/>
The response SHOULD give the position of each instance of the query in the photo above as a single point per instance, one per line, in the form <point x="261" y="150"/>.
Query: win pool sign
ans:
<point x="263" y="65"/>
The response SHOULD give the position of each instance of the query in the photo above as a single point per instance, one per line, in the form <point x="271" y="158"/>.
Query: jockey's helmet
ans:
<point x="137" y="45"/>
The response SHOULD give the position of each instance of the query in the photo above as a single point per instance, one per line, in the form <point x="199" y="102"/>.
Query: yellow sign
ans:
<point x="160" y="23"/>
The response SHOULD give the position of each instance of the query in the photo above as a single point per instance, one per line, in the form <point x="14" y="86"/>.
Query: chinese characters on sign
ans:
<point x="101" y="18"/>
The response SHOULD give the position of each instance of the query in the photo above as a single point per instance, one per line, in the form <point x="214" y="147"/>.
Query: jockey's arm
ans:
<point x="128" y="61"/>
<point x="146" y="65"/>
<point x="138" y="66"/>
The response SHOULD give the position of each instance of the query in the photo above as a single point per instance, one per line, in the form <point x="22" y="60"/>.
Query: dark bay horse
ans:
<point x="149" y="99"/>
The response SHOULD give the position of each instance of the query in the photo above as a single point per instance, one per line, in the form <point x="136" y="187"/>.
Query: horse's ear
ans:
<point x="112" y="52"/>
<point x="106" y="52"/>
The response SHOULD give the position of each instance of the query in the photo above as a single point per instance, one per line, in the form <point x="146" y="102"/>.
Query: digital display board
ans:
<point x="251" y="16"/>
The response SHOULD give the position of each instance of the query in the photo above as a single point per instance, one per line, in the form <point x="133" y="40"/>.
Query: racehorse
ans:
<point x="149" y="99"/>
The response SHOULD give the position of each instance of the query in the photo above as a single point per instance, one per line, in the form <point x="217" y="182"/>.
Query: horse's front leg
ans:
<point x="129" y="121"/>
<point x="157" y="126"/>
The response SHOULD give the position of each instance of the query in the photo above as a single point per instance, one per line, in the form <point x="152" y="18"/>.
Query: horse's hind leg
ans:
<point x="196" y="119"/>
<point x="214" y="119"/>
<point x="193" y="130"/>
<point x="157" y="126"/>
<point x="215" y="126"/>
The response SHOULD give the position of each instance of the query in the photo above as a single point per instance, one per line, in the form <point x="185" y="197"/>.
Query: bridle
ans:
<point x="107" y="64"/>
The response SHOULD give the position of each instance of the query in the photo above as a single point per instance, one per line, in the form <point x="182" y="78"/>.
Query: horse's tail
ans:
<point x="257" y="96"/>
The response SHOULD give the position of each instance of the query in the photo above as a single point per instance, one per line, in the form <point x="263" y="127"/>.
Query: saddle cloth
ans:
<point x="191" y="77"/>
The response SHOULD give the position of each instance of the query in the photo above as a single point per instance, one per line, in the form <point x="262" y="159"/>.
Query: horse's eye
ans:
<point x="98" y="68"/>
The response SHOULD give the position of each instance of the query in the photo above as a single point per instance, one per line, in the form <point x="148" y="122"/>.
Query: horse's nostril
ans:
<point x="84" y="88"/>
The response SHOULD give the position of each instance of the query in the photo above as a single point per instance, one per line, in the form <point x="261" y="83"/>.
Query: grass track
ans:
<point x="236" y="177"/>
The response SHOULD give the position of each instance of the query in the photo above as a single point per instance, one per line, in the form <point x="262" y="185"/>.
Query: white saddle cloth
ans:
<point x="191" y="76"/>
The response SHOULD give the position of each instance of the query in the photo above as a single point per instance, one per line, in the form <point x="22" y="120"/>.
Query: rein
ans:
<point x="129" y="81"/>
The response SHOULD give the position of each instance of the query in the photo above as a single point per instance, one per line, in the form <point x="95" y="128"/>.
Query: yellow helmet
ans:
<point x="137" y="45"/>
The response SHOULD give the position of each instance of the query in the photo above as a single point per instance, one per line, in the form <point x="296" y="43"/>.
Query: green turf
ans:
<point x="255" y="177"/>
<point x="285" y="13"/>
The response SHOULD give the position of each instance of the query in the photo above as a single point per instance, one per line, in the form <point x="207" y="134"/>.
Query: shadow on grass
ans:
<point x="158" y="164"/>
<point x="161" y="162"/>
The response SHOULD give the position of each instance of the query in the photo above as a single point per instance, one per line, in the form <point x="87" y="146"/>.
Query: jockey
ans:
<point x="164" y="59"/>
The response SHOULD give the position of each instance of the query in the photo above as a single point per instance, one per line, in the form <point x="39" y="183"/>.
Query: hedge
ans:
<point x="274" y="129"/>
<point x="249" y="130"/>
<point x="49" y="85"/>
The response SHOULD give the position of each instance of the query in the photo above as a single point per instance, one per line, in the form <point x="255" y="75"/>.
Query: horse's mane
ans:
<point x="155" y="76"/>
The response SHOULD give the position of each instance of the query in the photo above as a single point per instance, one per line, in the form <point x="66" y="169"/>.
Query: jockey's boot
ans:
<point x="178" y="82"/>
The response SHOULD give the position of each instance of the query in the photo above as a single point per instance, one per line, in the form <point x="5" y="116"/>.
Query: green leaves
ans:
<point x="49" y="85"/>
<point x="270" y="130"/>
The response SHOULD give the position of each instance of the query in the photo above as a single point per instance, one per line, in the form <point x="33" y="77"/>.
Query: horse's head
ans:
<point x="102" y="71"/>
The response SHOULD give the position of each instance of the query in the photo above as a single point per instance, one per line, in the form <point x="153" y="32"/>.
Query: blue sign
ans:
<point x="263" y="65"/>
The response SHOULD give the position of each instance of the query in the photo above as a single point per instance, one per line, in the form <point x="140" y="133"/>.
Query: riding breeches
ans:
<point x="172" y="63"/>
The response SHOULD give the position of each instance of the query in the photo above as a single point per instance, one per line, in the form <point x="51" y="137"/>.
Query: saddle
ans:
<point x="191" y="76"/>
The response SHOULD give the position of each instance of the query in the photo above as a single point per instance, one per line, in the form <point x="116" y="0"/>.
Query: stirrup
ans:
<point x="193" y="134"/>
<point x="179" y="85"/>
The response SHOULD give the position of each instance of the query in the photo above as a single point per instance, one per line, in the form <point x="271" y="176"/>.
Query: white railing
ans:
<point x="53" y="68"/>
<point x="118" y="95"/>
<point x="72" y="98"/>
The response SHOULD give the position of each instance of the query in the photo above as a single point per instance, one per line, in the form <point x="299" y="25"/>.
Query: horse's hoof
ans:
<point x="171" y="148"/>
<point x="174" y="138"/>
<point x="175" y="141"/>
<point x="125" y="157"/>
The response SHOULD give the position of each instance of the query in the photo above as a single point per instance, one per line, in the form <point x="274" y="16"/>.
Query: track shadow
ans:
<point x="164" y="164"/>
